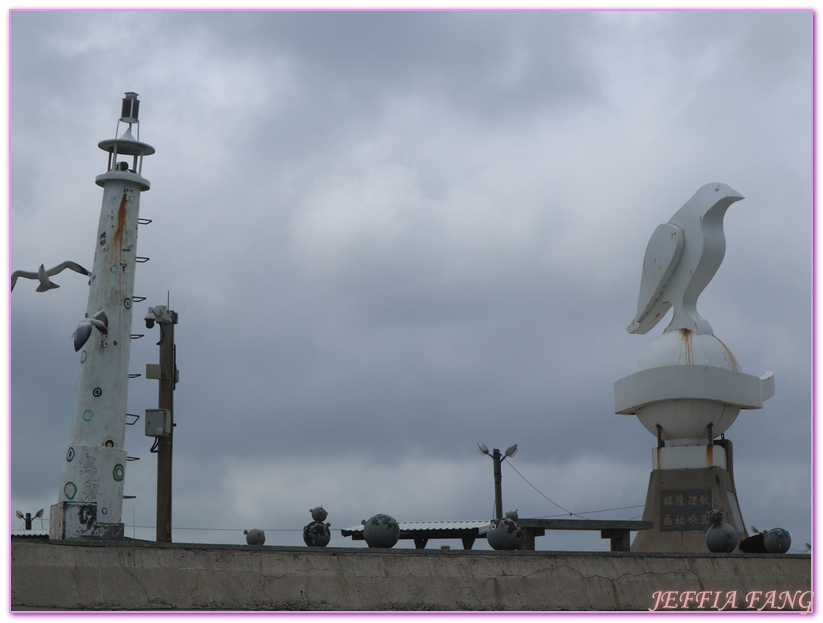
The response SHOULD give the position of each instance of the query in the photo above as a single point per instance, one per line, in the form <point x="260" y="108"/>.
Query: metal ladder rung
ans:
<point x="137" y="336"/>
<point x="134" y="421"/>
<point x="135" y="375"/>
<point x="141" y="260"/>
<point x="132" y="458"/>
<point x="143" y="221"/>
<point x="138" y="299"/>
<point x="129" y="497"/>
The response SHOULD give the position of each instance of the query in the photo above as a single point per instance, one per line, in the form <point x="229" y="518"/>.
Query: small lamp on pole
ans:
<point x="28" y="518"/>
<point x="498" y="459"/>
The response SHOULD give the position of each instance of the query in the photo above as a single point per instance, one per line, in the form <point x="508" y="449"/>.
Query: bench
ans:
<point x="617" y="531"/>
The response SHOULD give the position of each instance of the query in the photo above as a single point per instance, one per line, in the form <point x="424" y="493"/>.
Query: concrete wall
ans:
<point x="137" y="575"/>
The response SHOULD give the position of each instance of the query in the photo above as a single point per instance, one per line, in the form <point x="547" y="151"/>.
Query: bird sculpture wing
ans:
<point x="662" y="255"/>
<point x="81" y="334"/>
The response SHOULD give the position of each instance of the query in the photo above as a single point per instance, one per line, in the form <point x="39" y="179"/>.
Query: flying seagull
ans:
<point x="81" y="335"/>
<point x="43" y="275"/>
<point x="681" y="258"/>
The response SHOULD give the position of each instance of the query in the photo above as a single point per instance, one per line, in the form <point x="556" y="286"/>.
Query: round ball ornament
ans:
<point x="316" y="534"/>
<point x="255" y="536"/>
<point x="720" y="537"/>
<point x="381" y="531"/>
<point x="777" y="541"/>
<point x="504" y="534"/>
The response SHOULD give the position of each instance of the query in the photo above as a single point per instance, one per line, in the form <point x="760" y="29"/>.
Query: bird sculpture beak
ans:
<point x="726" y="191"/>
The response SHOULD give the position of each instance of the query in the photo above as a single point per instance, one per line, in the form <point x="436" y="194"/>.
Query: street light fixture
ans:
<point x="498" y="459"/>
<point x="28" y="518"/>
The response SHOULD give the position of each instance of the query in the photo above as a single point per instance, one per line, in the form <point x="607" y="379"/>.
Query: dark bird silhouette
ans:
<point x="42" y="275"/>
<point x="681" y="258"/>
<point x="753" y="545"/>
<point x="81" y="335"/>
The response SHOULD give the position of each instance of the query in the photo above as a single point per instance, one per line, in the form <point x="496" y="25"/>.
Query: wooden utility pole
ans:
<point x="498" y="490"/>
<point x="167" y="375"/>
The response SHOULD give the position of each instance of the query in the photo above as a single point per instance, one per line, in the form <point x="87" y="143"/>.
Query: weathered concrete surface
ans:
<point x="137" y="575"/>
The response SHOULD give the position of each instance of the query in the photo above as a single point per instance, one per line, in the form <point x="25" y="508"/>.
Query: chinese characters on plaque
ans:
<point x="685" y="509"/>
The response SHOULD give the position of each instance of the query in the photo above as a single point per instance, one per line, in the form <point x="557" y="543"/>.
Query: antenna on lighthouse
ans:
<point x="131" y="106"/>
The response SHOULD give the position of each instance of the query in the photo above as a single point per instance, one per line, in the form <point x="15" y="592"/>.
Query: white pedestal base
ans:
<point x="688" y="457"/>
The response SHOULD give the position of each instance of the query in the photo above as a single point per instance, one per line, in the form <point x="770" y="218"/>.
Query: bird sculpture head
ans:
<point x="681" y="258"/>
<point x="319" y="513"/>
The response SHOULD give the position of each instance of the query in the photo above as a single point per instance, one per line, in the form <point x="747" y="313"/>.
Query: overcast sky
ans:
<point x="392" y="235"/>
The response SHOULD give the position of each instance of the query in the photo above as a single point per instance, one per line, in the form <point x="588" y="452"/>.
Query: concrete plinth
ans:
<point x="79" y="520"/>
<point x="678" y="501"/>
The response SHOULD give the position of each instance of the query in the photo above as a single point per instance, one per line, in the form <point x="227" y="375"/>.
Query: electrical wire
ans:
<point x="539" y="491"/>
<point x="573" y="514"/>
<point x="603" y="510"/>
<point x="226" y="529"/>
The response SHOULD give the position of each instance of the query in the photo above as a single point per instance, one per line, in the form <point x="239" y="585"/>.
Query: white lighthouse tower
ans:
<point x="94" y="464"/>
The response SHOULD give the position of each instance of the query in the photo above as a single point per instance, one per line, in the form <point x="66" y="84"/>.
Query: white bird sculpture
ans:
<point x="42" y="275"/>
<point x="681" y="258"/>
<point x="81" y="335"/>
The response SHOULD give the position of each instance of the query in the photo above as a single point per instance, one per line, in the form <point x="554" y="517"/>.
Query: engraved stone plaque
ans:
<point x="685" y="509"/>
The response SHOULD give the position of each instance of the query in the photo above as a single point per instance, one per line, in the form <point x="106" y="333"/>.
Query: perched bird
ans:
<point x="83" y="331"/>
<point x="681" y="258"/>
<point x="43" y="275"/>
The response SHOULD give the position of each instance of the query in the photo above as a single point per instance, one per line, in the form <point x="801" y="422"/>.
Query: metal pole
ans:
<point x="498" y="494"/>
<point x="168" y="377"/>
